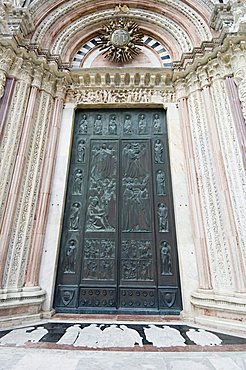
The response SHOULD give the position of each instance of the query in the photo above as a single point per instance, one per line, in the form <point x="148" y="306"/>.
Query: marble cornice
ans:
<point x="220" y="51"/>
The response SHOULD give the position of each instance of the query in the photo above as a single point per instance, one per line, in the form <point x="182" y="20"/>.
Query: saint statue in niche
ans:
<point x="83" y="125"/>
<point x="158" y="151"/>
<point x="98" y="125"/>
<point x="78" y="182"/>
<point x="157" y="124"/>
<point x="128" y="125"/>
<point x="69" y="258"/>
<point x="81" y="151"/>
<point x="112" y="126"/>
<point x="160" y="183"/>
<point x="74" y="217"/>
<point x="142" y="124"/>
<point x="163" y="218"/>
<point x="166" y="262"/>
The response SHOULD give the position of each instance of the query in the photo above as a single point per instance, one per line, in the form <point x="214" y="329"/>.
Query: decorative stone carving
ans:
<point x="2" y="83"/>
<point x="119" y="40"/>
<point x="24" y="216"/>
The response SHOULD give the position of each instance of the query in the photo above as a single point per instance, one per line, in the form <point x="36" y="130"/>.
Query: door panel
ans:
<point x="118" y="244"/>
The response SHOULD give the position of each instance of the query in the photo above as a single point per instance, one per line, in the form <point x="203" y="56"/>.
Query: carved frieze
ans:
<point x="135" y="95"/>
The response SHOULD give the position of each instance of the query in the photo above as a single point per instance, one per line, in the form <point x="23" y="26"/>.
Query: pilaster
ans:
<point x="193" y="191"/>
<point x="34" y="260"/>
<point x="12" y="131"/>
<point x="234" y="169"/>
<point x="221" y="274"/>
<point x="19" y="166"/>
<point x="22" y="222"/>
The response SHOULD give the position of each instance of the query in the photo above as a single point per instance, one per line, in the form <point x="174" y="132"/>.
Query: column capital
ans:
<point x="181" y="89"/>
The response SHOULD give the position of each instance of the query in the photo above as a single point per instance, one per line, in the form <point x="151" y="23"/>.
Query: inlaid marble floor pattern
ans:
<point x="97" y="346"/>
<point x="117" y="335"/>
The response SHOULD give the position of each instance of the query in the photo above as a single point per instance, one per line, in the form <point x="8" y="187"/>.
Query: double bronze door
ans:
<point x="118" y="246"/>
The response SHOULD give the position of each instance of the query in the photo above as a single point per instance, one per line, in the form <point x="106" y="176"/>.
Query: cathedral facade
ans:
<point x="123" y="184"/>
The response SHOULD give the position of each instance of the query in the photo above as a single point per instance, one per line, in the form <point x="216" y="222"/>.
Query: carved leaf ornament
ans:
<point x="119" y="40"/>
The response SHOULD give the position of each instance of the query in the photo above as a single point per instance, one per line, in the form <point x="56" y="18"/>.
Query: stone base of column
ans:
<point x="20" y="307"/>
<point x="218" y="311"/>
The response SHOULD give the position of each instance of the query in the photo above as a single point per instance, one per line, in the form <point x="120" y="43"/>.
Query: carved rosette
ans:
<point x="120" y="40"/>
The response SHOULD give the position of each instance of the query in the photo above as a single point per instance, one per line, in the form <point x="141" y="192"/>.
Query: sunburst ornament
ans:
<point x="120" y="40"/>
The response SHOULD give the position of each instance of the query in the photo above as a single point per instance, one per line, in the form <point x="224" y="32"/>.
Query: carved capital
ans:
<point x="61" y="88"/>
<point x="193" y="82"/>
<point x="37" y="78"/>
<point x="48" y="83"/>
<point x="6" y="59"/>
<point x="16" y="67"/>
<point x="181" y="89"/>
<point x="25" y="74"/>
<point x="203" y="76"/>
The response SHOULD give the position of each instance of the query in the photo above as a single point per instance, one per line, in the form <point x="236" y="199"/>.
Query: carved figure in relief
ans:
<point x="142" y="124"/>
<point x="90" y="269"/>
<point x="145" y="270"/>
<point x="69" y="259"/>
<point x="112" y="126"/>
<point x="158" y="151"/>
<point x="128" y="125"/>
<point x="161" y="183"/>
<point x="157" y="124"/>
<point x="81" y="151"/>
<point x="83" y="125"/>
<point x="136" y="207"/>
<point x="103" y="162"/>
<point x="98" y="125"/>
<point x="74" y="216"/>
<point x="163" y="218"/>
<point x="166" y="262"/>
<point x="133" y="159"/>
<point x="78" y="182"/>
<point x="97" y="217"/>
<point x="129" y="270"/>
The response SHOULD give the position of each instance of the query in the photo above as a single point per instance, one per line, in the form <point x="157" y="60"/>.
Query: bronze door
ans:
<point x="118" y="247"/>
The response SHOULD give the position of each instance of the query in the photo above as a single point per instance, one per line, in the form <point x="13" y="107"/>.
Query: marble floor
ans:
<point x="115" y="345"/>
<point x="39" y="359"/>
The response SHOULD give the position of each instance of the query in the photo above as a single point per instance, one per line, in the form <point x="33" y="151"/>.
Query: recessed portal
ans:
<point x="118" y="245"/>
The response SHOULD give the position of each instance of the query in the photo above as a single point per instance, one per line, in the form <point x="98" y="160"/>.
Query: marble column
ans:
<point x="34" y="260"/>
<point x="234" y="172"/>
<point x="24" y="216"/>
<point x="8" y="152"/>
<point x="210" y="203"/>
<point x="197" y="220"/>
<point x="5" y="102"/>
<point x="237" y="113"/>
<point x="16" y="182"/>
<point x="234" y="254"/>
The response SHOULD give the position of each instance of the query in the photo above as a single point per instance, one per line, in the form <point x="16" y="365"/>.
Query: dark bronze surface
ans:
<point x="118" y="246"/>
